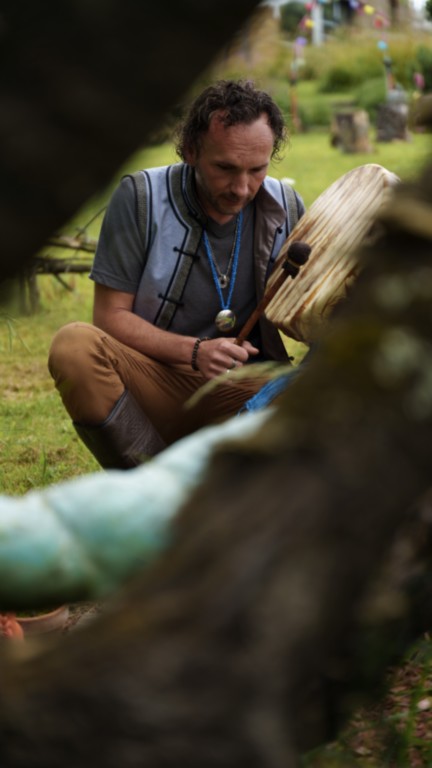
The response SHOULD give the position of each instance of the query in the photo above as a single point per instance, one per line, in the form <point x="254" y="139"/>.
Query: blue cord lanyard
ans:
<point x="225" y="304"/>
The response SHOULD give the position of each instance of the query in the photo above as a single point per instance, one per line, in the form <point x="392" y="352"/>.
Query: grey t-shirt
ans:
<point x="119" y="259"/>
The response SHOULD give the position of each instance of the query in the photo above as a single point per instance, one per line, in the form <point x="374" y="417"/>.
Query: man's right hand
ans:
<point x="113" y="312"/>
<point x="216" y="356"/>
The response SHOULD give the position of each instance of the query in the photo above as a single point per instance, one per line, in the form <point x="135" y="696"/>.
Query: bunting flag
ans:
<point x="380" y="20"/>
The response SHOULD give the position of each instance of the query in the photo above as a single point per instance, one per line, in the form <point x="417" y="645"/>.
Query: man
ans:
<point x="182" y="260"/>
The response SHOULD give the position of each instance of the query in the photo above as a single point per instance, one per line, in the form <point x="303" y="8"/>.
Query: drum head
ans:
<point x="335" y="225"/>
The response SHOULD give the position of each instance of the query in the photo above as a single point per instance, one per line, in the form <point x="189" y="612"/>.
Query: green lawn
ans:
<point x="314" y="164"/>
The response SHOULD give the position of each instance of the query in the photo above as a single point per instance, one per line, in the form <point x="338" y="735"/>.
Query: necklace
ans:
<point x="225" y="320"/>
<point x="223" y="277"/>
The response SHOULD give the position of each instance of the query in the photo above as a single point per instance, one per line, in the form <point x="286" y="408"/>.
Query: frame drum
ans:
<point x="335" y="226"/>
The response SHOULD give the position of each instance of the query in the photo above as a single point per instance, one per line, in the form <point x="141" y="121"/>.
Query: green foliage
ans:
<point x="350" y="68"/>
<point x="408" y="56"/>
<point x="346" y="63"/>
<point x="11" y="333"/>
<point x="339" y="78"/>
<point x="309" y="69"/>
<point x="353" y="69"/>
<point x="291" y="15"/>
<point x="428" y="9"/>
<point x="350" y="65"/>
<point x="314" y="108"/>
<point x="316" y="113"/>
<point x="281" y="94"/>
<point x="370" y="95"/>
<point x="424" y="61"/>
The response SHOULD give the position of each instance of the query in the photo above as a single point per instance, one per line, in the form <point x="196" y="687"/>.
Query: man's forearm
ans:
<point x="113" y="314"/>
<point x="141" y="335"/>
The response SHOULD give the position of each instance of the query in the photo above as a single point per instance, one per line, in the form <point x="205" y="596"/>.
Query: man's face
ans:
<point x="230" y="165"/>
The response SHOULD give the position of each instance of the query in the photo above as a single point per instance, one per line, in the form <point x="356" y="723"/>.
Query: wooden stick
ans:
<point x="297" y="255"/>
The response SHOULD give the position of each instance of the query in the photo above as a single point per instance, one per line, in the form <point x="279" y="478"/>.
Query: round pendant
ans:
<point x="225" y="320"/>
<point x="223" y="281"/>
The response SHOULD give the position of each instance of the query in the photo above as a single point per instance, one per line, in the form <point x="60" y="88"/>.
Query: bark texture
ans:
<point x="83" y="84"/>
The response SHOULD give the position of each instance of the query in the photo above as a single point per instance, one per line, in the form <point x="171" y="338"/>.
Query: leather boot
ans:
<point x="125" y="439"/>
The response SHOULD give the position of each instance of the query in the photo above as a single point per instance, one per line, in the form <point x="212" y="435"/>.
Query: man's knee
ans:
<point x="81" y="366"/>
<point x="71" y="350"/>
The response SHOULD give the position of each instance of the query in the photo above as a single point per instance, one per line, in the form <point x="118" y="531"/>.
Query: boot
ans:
<point x="125" y="439"/>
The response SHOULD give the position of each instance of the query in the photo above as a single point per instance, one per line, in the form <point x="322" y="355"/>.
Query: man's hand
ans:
<point x="113" y="312"/>
<point x="216" y="356"/>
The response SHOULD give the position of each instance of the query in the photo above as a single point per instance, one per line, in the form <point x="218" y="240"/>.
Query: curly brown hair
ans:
<point x="240" y="101"/>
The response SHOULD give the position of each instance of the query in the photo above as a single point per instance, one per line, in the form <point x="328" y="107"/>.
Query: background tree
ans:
<point x="290" y="16"/>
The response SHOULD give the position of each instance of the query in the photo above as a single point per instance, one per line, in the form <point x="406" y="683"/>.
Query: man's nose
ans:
<point x="240" y="184"/>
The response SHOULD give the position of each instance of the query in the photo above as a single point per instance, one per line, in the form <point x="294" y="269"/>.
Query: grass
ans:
<point x="38" y="442"/>
<point x="39" y="445"/>
<point x="314" y="165"/>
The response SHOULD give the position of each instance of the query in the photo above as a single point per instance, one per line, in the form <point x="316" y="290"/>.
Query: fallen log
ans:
<point x="49" y="265"/>
<point x="76" y="243"/>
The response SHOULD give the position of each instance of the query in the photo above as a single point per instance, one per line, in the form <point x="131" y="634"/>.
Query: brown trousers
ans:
<point x="91" y="370"/>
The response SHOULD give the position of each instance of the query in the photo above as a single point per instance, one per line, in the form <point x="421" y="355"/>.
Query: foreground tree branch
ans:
<point x="83" y="85"/>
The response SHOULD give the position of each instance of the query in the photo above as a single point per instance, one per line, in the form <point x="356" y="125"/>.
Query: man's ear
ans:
<point x="190" y="156"/>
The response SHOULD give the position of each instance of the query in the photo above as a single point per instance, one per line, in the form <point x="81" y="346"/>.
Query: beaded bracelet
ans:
<point x="195" y="352"/>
